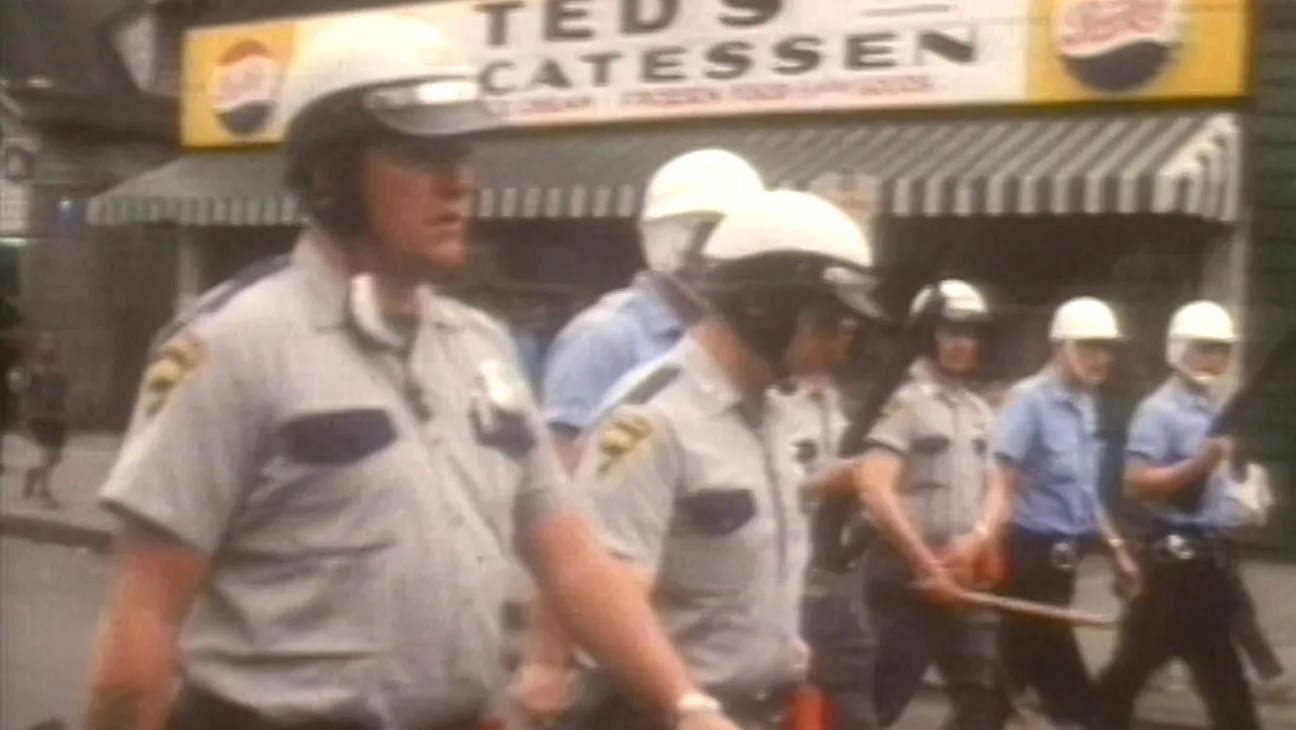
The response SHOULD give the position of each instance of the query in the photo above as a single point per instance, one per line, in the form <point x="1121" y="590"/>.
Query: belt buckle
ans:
<point x="1063" y="556"/>
<point x="1179" y="548"/>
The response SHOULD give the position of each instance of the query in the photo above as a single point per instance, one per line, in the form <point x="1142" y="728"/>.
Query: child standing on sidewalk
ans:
<point x="43" y="386"/>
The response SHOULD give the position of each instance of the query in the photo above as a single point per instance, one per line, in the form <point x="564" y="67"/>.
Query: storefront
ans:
<point x="1053" y="146"/>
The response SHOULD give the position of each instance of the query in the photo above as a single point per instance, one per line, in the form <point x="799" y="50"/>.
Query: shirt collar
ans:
<point x="328" y="288"/>
<point x="1185" y="396"/>
<point x="714" y="383"/>
<point x="1058" y="390"/>
<point x="923" y="373"/>
<point x="658" y="314"/>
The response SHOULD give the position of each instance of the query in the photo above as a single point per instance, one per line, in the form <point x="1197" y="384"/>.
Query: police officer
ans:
<point x="631" y="326"/>
<point x="331" y="464"/>
<point x="926" y="479"/>
<point x="1048" y="453"/>
<point x="834" y="622"/>
<point x="683" y="472"/>
<point x="624" y="329"/>
<point x="1193" y="594"/>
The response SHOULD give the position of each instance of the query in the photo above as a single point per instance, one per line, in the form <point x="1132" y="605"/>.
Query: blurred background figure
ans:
<point x="42" y="384"/>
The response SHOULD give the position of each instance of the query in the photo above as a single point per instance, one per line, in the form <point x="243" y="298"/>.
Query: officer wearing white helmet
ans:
<point x="684" y="199"/>
<point x="622" y="330"/>
<point x="684" y="470"/>
<point x="1047" y="447"/>
<point x="926" y="479"/>
<point x="1195" y="597"/>
<point x="331" y="464"/>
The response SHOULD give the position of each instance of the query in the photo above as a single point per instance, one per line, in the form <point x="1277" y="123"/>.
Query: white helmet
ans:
<point x="962" y="302"/>
<point x="1199" y="321"/>
<point x="792" y="238"/>
<point x="1084" y="318"/>
<point x="708" y="181"/>
<point x="378" y="71"/>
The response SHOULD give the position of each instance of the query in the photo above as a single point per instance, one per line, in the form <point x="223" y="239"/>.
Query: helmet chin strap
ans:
<point x="1072" y="357"/>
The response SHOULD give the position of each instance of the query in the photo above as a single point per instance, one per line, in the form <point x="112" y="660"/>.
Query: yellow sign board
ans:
<point x="1109" y="50"/>
<point x="546" y="63"/>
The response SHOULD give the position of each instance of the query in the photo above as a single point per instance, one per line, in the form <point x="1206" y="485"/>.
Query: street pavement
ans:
<point x="53" y="574"/>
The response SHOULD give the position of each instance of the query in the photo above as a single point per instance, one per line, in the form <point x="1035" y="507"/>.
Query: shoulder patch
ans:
<point x="619" y="437"/>
<point x="173" y="362"/>
<point x="652" y="384"/>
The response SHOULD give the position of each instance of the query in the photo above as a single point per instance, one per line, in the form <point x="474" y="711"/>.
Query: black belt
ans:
<point x="1185" y="546"/>
<point x="198" y="709"/>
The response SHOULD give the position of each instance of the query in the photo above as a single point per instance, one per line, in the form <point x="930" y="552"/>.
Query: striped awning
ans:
<point x="1174" y="163"/>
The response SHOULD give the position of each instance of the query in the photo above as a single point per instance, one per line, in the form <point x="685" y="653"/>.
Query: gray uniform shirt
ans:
<point x="683" y="480"/>
<point x="942" y="433"/>
<point x="360" y="505"/>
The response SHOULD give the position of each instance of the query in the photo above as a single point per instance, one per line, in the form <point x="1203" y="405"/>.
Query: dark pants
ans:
<point x="602" y="707"/>
<point x="1247" y="633"/>
<point x="1186" y="610"/>
<point x="1043" y="654"/>
<point x="835" y="625"/>
<point x="196" y="709"/>
<point x="913" y="633"/>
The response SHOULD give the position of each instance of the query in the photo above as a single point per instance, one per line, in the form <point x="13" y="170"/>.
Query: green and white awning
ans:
<point x="1172" y="163"/>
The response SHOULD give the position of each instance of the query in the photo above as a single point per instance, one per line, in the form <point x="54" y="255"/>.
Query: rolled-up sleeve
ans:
<point x="894" y="427"/>
<point x="191" y="446"/>
<point x="1149" y="437"/>
<point x="1014" y="430"/>
<point x="586" y="360"/>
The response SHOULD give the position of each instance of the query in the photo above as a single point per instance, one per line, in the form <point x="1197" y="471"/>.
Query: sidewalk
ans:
<point x="79" y="521"/>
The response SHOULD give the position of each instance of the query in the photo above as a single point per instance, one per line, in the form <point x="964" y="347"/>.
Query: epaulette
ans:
<point x="651" y="385"/>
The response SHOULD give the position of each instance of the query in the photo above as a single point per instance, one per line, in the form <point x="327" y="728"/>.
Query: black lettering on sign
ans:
<point x="497" y="20"/>
<point x="602" y="65"/>
<point x="756" y="12"/>
<point x="947" y="46"/>
<point x="870" y="50"/>
<point x="561" y="20"/>
<point x="552" y="75"/>
<point x="663" y="64"/>
<point x="634" y="22"/>
<point x="797" y="54"/>
<point x="489" y="77"/>
<point x="728" y="60"/>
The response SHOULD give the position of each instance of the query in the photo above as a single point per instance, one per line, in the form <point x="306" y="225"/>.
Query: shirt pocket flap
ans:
<point x="337" y="437"/>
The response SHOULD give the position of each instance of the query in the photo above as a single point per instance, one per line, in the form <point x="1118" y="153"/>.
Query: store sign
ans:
<point x="573" y="61"/>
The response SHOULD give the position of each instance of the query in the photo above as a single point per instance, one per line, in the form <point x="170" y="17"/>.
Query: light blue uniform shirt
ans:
<point x="1170" y="426"/>
<point x="624" y="329"/>
<point x="1049" y="432"/>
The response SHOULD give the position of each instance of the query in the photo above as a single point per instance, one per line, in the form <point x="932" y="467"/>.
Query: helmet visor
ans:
<point x="445" y="107"/>
<point x="855" y="289"/>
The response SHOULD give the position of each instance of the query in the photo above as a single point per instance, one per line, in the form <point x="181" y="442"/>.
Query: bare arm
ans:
<point x="132" y="673"/>
<point x="605" y="608"/>
<point x="877" y="475"/>
<point x="997" y="507"/>
<point x="836" y="478"/>
<point x="1157" y="482"/>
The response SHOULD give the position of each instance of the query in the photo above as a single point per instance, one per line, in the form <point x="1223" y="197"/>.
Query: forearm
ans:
<point x="1164" y="481"/>
<point x="132" y="674"/>
<point x="547" y="644"/>
<point x="832" y="480"/>
<point x="605" y="609"/>
<point x="132" y="679"/>
<point x="876" y="486"/>
<point x="996" y="508"/>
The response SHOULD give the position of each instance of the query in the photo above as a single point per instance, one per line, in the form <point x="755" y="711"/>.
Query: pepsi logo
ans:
<point x="1117" y="45"/>
<point x="243" y="87"/>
